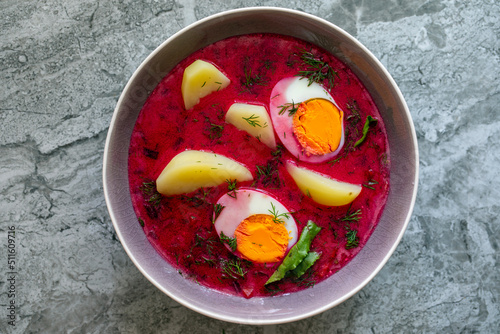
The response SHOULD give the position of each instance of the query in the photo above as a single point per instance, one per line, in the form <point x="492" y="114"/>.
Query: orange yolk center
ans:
<point x="261" y="240"/>
<point x="317" y="124"/>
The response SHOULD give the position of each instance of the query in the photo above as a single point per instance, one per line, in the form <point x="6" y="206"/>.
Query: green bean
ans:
<point x="297" y="253"/>
<point x="307" y="263"/>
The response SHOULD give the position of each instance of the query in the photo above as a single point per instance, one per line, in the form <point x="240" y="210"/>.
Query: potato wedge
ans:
<point x="190" y="170"/>
<point x="200" y="79"/>
<point x="322" y="189"/>
<point x="253" y="119"/>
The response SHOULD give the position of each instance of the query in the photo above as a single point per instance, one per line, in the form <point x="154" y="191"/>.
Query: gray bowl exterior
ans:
<point x="403" y="155"/>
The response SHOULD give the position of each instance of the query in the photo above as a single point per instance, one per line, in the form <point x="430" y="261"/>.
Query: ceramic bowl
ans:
<point x="403" y="155"/>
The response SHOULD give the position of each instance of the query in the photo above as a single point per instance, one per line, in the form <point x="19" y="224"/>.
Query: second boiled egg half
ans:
<point x="306" y="119"/>
<point x="263" y="228"/>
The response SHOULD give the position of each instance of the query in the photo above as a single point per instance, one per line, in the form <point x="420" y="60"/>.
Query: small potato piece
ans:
<point x="253" y="119"/>
<point x="322" y="189"/>
<point x="200" y="79"/>
<point x="190" y="170"/>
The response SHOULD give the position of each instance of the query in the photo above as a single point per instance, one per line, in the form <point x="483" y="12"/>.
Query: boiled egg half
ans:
<point x="306" y="119"/>
<point x="263" y="228"/>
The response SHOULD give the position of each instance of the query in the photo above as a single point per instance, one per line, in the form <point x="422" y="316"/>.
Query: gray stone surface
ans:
<point x="63" y="65"/>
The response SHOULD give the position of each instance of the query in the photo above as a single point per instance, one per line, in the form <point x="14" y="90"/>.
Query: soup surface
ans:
<point x="181" y="228"/>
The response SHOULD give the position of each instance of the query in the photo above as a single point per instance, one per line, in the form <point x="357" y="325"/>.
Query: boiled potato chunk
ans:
<point x="190" y="170"/>
<point x="200" y="79"/>
<point x="322" y="189"/>
<point x="253" y="119"/>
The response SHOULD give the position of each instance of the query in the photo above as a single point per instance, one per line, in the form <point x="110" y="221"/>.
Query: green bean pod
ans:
<point x="297" y="253"/>
<point x="307" y="263"/>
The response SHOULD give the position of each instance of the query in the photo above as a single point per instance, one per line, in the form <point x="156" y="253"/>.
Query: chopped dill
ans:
<point x="290" y="107"/>
<point x="233" y="268"/>
<point x="252" y="79"/>
<point x="231" y="188"/>
<point x="214" y="130"/>
<point x="351" y="216"/>
<point x="253" y="121"/>
<point x="317" y="70"/>
<point x="231" y="242"/>
<point x="272" y="290"/>
<point x="370" y="184"/>
<point x="354" y="117"/>
<point x="141" y="221"/>
<point x="152" y="196"/>
<point x="217" y="210"/>
<point x="269" y="174"/>
<point x="278" y="217"/>
<point x="305" y="280"/>
<point x="278" y="152"/>
<point x="352" y="238"/>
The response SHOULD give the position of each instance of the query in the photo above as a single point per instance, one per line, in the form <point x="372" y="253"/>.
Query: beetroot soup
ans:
<point x="260" y="69"/>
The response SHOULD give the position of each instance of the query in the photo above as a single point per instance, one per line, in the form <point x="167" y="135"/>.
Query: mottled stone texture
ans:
<point x="63" y="66"/>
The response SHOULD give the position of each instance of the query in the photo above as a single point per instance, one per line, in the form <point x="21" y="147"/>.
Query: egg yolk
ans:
<point x="261" y="240"/>
<point x="317" y="124"/>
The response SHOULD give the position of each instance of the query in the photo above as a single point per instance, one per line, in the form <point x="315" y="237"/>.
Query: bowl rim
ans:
<point x="140" y="68"/>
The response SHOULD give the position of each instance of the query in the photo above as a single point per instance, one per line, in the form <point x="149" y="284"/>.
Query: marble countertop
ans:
<point x="63" y="66"/>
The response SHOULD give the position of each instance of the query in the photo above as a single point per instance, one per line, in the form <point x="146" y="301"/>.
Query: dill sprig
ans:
<point x="278" y="152"/>
<point x="370" y="184"/>
<point x="305" y="280"/>
<point x="352" y="238"/>
<point x="214" y="130"/>
<point x="152" y="196"/>
<point x="353" y="107"/>
<point x="231" y="242"/>
<point x="269" y="174"/>
<point x="290" y="107"/>
<point x="253" y="121"/>
<point x="233" y="268"/>
<point x="317" y="70"/>
<point x="217" y="210"/>
<point x="278" y="218"/>
<point x="351" y="216"/>
<point x="252" y="79"/>
<point x="231" y="188"/>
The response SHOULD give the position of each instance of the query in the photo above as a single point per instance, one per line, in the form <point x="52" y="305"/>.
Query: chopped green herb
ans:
<point x="231" y="242"/>
<point x="278" y="152"/>
<point x="231" y="188"/>
<point x="351" y="216"/>
<point x="217" y="210"/>
<point x="370" y="121"/>
<point x="290" y="107"/>
<point x="253" y="121"/>
<point x="269" y="174"/>
<point x="252" y="80"/>
<point x="233" y="268"/>
<point x="317" y="70"/>
<point x="278" y="217"/>
<point x="141" y="221"/>
<point x="214" y="130"/>
<point x="352" y="239"/>
<point x="151" y="195"/>
<point x="370" y="184"/>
